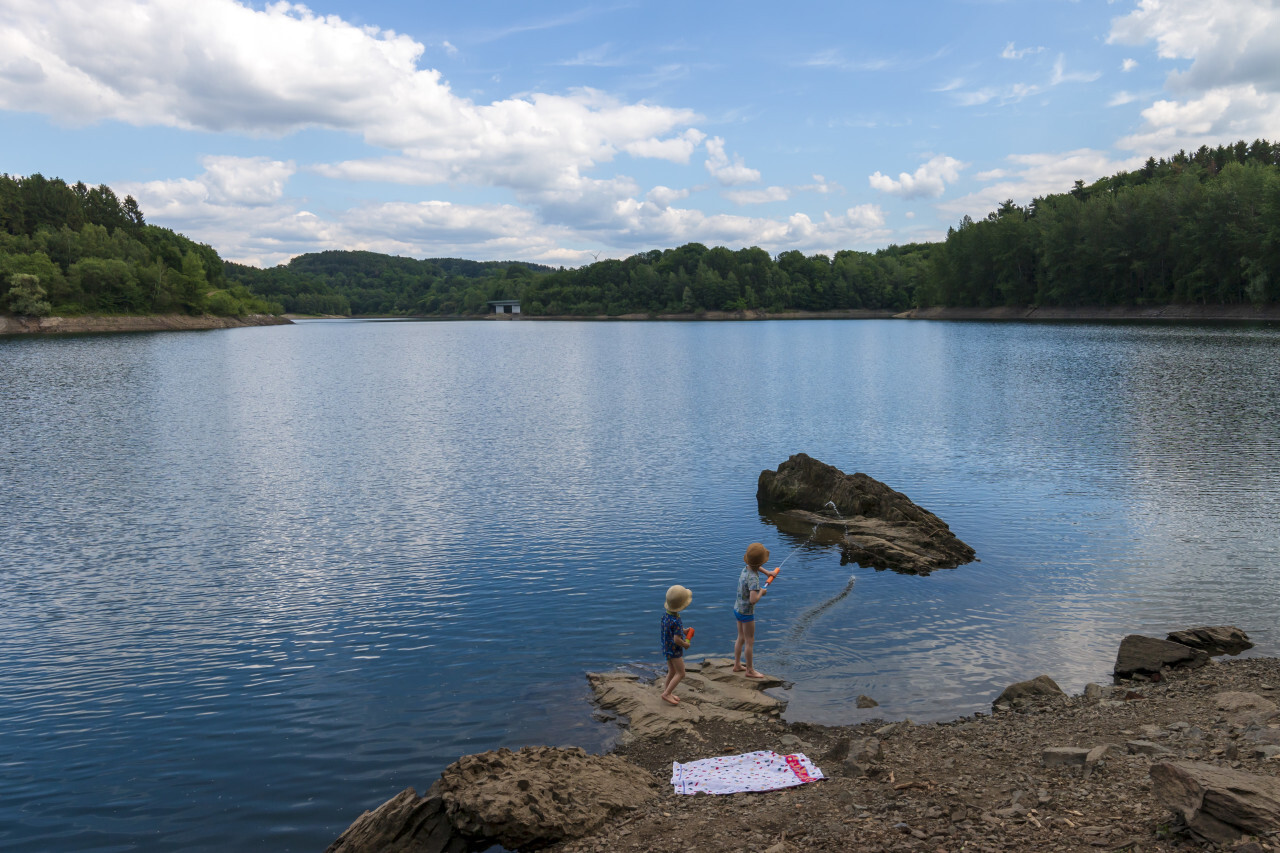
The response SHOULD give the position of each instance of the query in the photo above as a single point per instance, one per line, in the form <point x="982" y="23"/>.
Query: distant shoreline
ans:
<point x="10" y="325"/>
<point x="1207" y="313"/>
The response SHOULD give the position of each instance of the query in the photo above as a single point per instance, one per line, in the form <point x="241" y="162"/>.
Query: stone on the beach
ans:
<point x="1141" y="655"/>
<point x="876" y="526"/>
<point x="1217" y="803"/>
<point x="1065" y="756"/>
<point x="1145" y="747"/>
<point x="1213" y="640"/>
<point x="1245" y="708"/>
<point x="1041" y="685"/>
<point x="709" y="692"/>
<point x="540" y="795"/>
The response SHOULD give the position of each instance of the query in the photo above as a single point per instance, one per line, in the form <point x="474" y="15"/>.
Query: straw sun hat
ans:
<point x="678" y="598"/>
<point x="756" y="555"/>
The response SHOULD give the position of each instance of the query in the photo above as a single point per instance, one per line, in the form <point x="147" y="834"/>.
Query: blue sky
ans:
<point x="561" y="131"/>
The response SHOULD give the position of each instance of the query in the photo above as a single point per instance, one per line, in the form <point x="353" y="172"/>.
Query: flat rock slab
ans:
<point x="876" y="526"/>
<point x="1217" y="803"/>
<point x="709" y="691"/>
<point x="1213" y="640"/>
<point x="1146" y="655"/>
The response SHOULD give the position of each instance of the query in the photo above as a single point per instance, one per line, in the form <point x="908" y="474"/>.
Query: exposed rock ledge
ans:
<point x="712" y="692"/>
<point x="11" y="325"/>
<point x="875" y="526"/>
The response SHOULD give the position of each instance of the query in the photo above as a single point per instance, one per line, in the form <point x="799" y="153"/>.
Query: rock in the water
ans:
<point x="1041" y="685"/>
<point x="540" y="795"/>
<point x="878" y="527"/>
<point x="867" y="702"/>
<point x="1213" y="640"/>
<point x="1140" y="655"/>
<point x="1217" y="803"/>
<point x="406" y="823"/>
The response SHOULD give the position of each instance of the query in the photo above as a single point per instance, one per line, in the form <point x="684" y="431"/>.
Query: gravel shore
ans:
<point x="979" y="783"/>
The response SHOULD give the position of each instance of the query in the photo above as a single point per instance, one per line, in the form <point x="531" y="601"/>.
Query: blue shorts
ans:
<point x="748" y="618"/>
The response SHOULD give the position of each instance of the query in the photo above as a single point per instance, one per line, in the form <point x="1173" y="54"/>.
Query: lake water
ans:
<point x="259" y="580"/>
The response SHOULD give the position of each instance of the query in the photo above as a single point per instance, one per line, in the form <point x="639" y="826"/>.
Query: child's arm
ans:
<point x="680" y="641"/>
<point x="772" y="574"/>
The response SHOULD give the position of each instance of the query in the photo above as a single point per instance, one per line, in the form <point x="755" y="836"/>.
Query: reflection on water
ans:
<point x="262" y="579"/>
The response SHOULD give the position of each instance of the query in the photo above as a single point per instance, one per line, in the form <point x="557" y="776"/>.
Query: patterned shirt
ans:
<point x="748" y="582"/>
<point x="671" y="627"/>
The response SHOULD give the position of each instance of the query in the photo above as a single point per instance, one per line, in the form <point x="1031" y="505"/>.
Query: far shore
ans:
<point x="91" y="323"/>
<point x="1183" y="313"/>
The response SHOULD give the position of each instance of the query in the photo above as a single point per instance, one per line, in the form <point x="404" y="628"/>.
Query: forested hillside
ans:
<point x="1194" y="229"/>
<point x="69" y="250"/>
<point x="367" y="283"/>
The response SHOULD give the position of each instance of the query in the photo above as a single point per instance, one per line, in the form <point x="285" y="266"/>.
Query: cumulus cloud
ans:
<point x="1033" y="175"/>
<point x="220" y="65"/>
<point x="1230" y="90"/>
<point x="929" y="181"/>
<point x="1128" y="65"/>
<point x="728" y="172"/>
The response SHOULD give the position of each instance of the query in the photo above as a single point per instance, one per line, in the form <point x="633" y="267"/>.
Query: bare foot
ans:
<point x="754" y="674"/>
<point x="670" y="700"/>
<point x="737" y="668"/>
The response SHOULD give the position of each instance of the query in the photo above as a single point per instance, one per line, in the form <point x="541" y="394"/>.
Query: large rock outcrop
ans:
<point x="875" y="526"/>
<point x="521" y="800"/>
<point x="1218" y="804"/>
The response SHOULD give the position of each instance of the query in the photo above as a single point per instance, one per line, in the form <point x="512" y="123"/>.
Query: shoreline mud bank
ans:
<point x="93" y="323"/>
<point x="1171" y="758"/>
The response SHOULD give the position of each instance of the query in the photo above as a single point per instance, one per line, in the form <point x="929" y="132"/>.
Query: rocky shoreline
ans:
<point x="1181" y="753"/>
<point x="94" y="323"/>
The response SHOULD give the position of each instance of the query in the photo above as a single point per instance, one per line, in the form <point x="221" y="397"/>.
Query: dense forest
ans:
<point x="1192" y="228"/>
<point x="367" y="283"/>
<point x="70" y="250"/>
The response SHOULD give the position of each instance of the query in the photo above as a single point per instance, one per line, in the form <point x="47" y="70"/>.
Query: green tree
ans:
<point x="26" y="296"/>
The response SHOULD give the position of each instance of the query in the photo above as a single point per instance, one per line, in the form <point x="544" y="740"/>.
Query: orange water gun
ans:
<point x="688" y="635"/>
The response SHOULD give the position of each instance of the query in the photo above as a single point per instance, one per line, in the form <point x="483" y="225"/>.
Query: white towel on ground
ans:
<point x="752" y="771"/>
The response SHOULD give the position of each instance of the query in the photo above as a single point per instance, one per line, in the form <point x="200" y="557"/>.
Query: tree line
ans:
<point x="368" y="283"/>
<point x="1192" y="228"/>
<point x="70" y="249"/>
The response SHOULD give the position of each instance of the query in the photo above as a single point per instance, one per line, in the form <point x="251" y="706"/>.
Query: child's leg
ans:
<point x="737" y="648"/>
<point x="748" y="649"/>
<point x="675" y="674"/>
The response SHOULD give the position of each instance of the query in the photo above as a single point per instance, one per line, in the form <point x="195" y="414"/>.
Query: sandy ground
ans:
<point x="10" y="325"/>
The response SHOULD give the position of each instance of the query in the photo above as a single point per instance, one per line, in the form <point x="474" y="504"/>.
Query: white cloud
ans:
<point x="930" y="180"/>
<point x="1035" y="175"/>
<point x="663" y="196"/>
<point x="1128" y="65"/>
<point x="1231" y="89"/>
<point x="728" y="173"/>
<point x="1010" y="52"/>
<point x="762" y="196"/>
<point x="1061" y="75"/>
<point x="677" y="149"/>
<point x="1121" y="98"/>
<point x="218" y="65"/>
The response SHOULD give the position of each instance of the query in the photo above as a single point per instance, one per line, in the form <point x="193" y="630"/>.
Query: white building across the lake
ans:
<point x="505" y="306"/>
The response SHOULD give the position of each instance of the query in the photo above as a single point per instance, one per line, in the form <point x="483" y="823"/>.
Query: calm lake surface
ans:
<point x="259" y="580"/>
